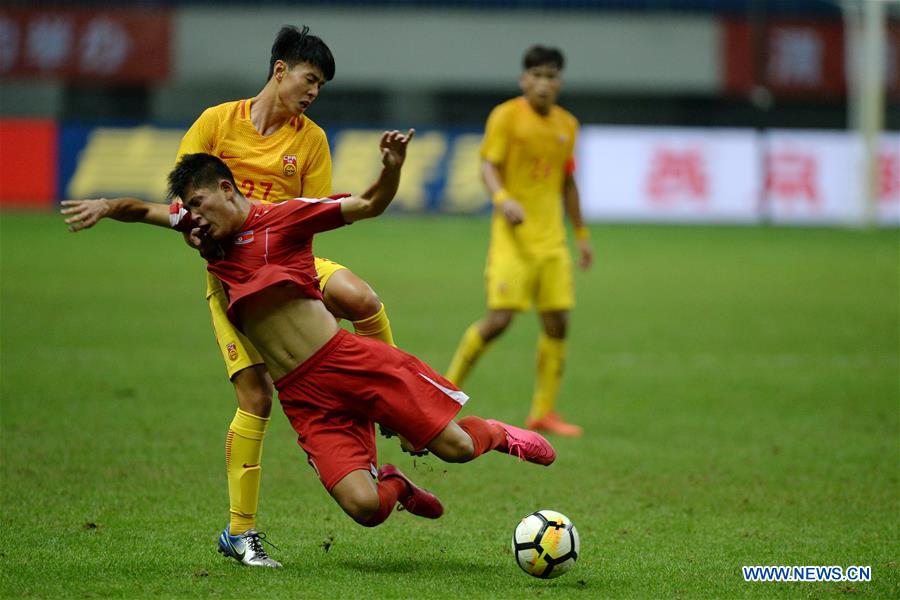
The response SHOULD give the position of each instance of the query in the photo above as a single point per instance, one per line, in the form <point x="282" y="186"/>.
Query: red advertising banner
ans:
<point x="799" y="58"/>
<point x="127" y="45"/>
<point x="28" y="162"/>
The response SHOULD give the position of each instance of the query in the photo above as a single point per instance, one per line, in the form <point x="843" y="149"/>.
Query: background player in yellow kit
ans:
<point x="275" y="152"/>
<point x="527" y="166"/>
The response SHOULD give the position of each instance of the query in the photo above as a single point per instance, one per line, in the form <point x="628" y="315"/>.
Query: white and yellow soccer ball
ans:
<point x="546" y="544"/>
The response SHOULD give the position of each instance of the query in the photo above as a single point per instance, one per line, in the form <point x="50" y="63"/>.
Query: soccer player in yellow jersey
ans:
<point x="275" y="152"/>
<point x="528" y="165"/>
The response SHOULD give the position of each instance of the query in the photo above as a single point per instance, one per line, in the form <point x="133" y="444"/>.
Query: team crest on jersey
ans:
<point x="245" y="237"/>
<point x="289" y="164"/>
<point x="232" y="351"/>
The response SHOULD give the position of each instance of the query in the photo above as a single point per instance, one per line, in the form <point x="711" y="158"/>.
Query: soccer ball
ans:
<point x="546" y="544"/>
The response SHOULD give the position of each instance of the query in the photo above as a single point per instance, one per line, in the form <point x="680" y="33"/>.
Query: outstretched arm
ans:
<point x="377" y="198"/>
<point x="84" y="214"/>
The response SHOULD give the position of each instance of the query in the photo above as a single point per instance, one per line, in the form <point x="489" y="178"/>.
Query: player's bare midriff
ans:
<point x="285" y="327"/>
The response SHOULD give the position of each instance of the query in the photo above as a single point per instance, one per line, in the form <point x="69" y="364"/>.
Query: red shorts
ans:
<point x="334" y="398"/>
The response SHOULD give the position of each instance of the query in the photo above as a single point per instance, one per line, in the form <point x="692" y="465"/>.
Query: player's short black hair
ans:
<point x="295" y="46"/>
<point x="540" y="56"/>
<point x="196" y="171"/>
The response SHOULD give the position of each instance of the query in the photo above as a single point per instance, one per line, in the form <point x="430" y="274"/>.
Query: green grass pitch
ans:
<point x="738" y="386"/>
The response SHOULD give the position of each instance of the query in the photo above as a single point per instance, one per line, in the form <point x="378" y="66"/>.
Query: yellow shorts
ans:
<point x="237" y="351"/>
<point x="514" y="280"/>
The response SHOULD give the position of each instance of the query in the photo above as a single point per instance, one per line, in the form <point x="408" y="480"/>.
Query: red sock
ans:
<point x="484" y="435"/>
<point x="389" y="491"/>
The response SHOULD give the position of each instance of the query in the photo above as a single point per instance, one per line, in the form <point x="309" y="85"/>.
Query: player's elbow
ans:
<point x="373" y="207"/>
<point x="374" y="210"/>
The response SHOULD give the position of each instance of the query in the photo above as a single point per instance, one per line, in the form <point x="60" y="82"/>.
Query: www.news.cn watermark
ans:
<point x="807" y="573"/>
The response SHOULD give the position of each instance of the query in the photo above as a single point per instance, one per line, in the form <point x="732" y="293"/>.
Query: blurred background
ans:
<point x="710" y="111"/>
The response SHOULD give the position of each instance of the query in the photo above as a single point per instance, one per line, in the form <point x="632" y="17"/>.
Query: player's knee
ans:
<point x="366" y="304"/>
<point x="254" y="392"/>
<point x="257" y="402"/>
<point x="455" y="449"/>
<point x="556" y="325"/>
<point x="355" y="299"/>
<point x="361" y="506"/>
<point x="557" y="330"/>
<point x="495" y="324"/>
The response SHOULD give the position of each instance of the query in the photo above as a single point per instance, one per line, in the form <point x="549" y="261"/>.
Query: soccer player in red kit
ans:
<point x="276" y="152"/>
<point x="333" y="386"/>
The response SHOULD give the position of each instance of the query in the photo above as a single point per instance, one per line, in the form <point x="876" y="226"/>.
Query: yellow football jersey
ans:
<point x="294" y="161"/>
<point x="534" y="154"/>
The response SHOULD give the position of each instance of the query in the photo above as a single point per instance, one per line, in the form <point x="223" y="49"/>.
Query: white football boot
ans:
<point x="247" y="548"/>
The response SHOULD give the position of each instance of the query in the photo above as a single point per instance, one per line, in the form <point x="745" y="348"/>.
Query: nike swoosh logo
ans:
<point x="224" y="156"/>
<point x="238" y="555"/>
<point x="246" y="466"/>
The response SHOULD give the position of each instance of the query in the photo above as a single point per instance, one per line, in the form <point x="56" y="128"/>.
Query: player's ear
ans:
<point x="279" y="70"/>
<point x="226" y="188"/>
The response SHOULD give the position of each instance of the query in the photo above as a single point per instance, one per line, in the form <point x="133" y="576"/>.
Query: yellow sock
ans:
<point x="471" y="346"/>
<point x="377" y="326"/>
<point x="243" y="450"/>
<point x="551" y="355"/>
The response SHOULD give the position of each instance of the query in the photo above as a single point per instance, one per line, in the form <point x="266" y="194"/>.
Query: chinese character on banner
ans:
<point x="792" y="176"/>
<point x="104" y="46"/>
<point x="796" y="57"/>
<point x="677" y="175"/>
<point x="49" y="42"/>
<point x="889" y="178"/>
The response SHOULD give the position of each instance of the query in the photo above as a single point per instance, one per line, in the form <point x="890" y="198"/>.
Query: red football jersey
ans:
<point x="274" y="246"/>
